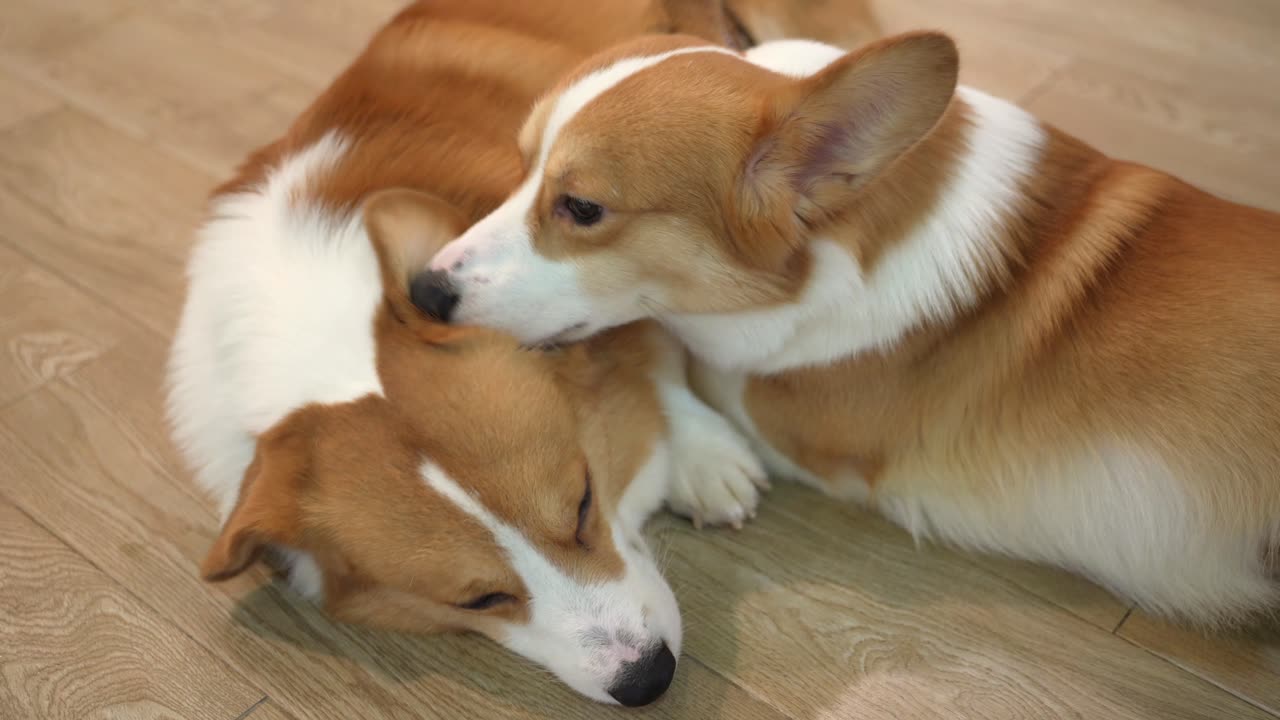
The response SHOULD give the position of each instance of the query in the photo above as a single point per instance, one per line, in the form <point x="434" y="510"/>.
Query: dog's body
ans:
<point x="415" y="476"/>
<point x="922" y="299"/>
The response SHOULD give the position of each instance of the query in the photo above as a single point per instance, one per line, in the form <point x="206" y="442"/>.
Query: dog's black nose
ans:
<point x="432" y="291"/>
<point x="643" y="681"/>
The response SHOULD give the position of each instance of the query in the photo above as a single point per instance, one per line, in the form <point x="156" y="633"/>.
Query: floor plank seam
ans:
<point x="749" y="691"/>
<point x="971" y="561"/>
<point x="1120" y="624"/>
<point x="125" y="315"/>
<point x="1044" y="83"/>
<point x="127" y="591"/>
<point x="72" y="101"/>
<point x="1045" y="598"/>
<point x="1203" y="678"/>
<point x="253" y="708"/>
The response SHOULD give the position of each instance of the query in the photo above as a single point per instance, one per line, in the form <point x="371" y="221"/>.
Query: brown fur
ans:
<point x="435" y="103"/>
<point x="732" y="135"/>
<point x="1117" y="305"/>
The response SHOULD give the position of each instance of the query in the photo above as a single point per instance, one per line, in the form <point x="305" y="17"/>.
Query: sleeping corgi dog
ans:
<point x="919" y="297"/>
<point x="419" y="477"/>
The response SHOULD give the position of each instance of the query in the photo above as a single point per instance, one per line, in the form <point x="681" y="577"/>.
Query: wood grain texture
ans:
<point x="310" y="40"/>
<point x="47" y="329"/>
<point x="118" y="116"/>
<point x="1002" y="63"/>
<point x="35" y="30"/>
<point x="1245" y="661"/>
<point x="21" y="100"/>
<point x="111" y="213"/>
<point x="1211" y="142"/>
<point x="884" y="629"/>
<point x="265" y="709"/>
<point x="136" y="71"/>
<point x="89" y="649"/>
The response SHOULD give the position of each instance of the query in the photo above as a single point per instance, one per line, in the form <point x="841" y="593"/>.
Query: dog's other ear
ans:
<point x="407" y="228"/>
<point x="843" y="23"/>
<point x="825" y="136"/>
<point x="707" y="19"/>
<point x="267" y="511"/>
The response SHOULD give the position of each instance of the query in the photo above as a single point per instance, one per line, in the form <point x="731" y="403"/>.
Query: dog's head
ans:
<point x="474" y="493"/>
<point x="668" y="177"/>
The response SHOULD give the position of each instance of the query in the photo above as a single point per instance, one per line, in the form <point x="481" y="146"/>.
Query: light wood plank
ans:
<point x="1246" y="661"/>
<point x="1068" y="591"/>
<point x="1152" y="125"/>
<point x="1001" y="63"/>
<point x="1200" y="106"/>
<point x="34" y="30"/>
<point x="103" y="210"/>
<point x="309" y="40"/>
<point x="46" y="329"/>
<point x="828" y="619"/>
<point x="21" y="100"/>
<point x="185" y="90"/>
<point x="74" y="644"/>
<point x="1160" y="38"/>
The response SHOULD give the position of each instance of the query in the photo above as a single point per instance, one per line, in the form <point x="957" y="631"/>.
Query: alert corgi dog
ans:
<point x="419" y="477"/>
<point x="918" y="297"/>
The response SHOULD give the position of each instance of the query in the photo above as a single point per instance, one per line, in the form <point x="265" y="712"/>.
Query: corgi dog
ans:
<point x="919" y="297"/>
<point x="409" y="475"/>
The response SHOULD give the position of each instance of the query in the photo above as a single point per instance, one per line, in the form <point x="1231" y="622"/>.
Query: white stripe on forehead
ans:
<point x="544" y="580"/>
<point x="595" y="84"/>
<point x="570" y="103"/>
<point x="514" y="543"/>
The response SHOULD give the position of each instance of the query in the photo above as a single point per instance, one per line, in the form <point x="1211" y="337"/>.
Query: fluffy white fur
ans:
<point x="279" y="314"/>
<point x="930" y="276"/>
<point x="715" y="476"/>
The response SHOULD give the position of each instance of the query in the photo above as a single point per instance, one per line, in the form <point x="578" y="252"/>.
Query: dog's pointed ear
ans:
<point x="268" y="509"/>
<point x="824" y="136"/>
<point x="407" y="228"/>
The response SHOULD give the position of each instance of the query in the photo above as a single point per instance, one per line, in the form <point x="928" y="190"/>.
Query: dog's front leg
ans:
<point x="715" y="477"/>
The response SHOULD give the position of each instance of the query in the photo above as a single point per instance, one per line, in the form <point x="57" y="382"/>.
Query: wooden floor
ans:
<point x="116" y="118"/>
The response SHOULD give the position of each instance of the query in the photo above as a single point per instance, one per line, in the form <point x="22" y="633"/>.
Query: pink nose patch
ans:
<point x="450" y="258"/>
<point x="626" y="653"/>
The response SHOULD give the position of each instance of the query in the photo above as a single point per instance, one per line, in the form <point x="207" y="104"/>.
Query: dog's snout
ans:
<point x="435" y="294"/>
<point x="643" y="681"/>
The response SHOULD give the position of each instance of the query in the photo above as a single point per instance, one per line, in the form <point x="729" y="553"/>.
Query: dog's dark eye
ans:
<point x="484" y="602"/>
<point x="584" y="512"/>
<point x="583" y="212"/>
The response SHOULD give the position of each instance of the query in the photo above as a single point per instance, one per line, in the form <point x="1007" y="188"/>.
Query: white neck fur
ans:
<point x="932" y="275"/>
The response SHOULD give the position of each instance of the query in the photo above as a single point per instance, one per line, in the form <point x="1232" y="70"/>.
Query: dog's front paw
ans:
<point x="715" y="477"/>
